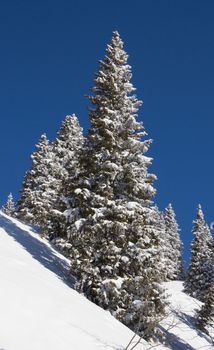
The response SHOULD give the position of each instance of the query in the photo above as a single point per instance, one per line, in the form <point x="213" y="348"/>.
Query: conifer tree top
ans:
<point x="43" y="141"/>
<point x="199" y="223"/>
<point x="169" y="208"/>
<point x="43" y="137"/>
<point x="116" y="46"/>
<point x="10" y="196"/>
<point x="114" y="71"/>
<point x="69" y="128"/>
<point x="41" y="145"/>
<point x="200" y="214"/>
<point x="114" y="106"/>
<point x="201" y="232"/>
<point x="169" y="211"/>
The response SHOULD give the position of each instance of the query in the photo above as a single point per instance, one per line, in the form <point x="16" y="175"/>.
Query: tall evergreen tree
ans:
<point x="201" y="269"/>
<point x="205" y="316"/>
<point x="115" y="240"/>
<point x="9" y="207"/>
<point x="38" y="191"/>
<point x="173" y="246"/>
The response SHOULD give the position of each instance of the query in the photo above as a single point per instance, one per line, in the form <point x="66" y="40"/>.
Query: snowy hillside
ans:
<point x="39" y="310"/>
<point x="179" y="325"/>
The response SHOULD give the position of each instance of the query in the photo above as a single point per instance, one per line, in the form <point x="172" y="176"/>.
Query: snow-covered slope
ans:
<point x="179" y="325"/>
<point x="39" y="310"/>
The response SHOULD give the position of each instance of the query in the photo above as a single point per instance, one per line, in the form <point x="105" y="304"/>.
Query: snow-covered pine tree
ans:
<point x="66" y="149"/>
<point x="38" y="191"/>
<point x="9" y="207"/>
<point x="115" y="241"/>
<point x="200" y="273"/>
<point x="172" y="246"/>
<point x="205" y="316"/>
<point x="146" y="273"/>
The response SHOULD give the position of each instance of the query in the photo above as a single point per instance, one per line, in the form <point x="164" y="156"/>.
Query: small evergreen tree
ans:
<point x="9" y="207"/>
<point x="38" y="191"/>
<point x="205" y="316"/>
<point x="113" y="228"/>
<point x="172" y="246"/>
<point x="201" y="269"/>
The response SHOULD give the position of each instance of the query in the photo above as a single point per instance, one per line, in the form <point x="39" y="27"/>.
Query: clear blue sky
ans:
<point x="49" y="53"/>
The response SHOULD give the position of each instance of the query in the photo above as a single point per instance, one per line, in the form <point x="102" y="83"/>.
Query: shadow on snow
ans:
<point x="39" y="251"/>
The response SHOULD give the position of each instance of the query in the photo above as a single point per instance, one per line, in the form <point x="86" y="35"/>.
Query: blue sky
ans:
<point x="49" y="54"/>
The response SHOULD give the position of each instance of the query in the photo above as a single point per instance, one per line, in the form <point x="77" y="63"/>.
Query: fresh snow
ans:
<point x="179" y="325"/>
<point x="39" y="309"/>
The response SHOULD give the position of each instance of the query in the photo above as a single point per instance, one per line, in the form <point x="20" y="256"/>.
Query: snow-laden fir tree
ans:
<point x="66" y="149"/>
<point x="200" y="273"/>
<point x="172" y="246"/>
<point x="38" y="191"/>
<point x="49" y="181"/>
<point x="205" y="316"/>
<point x="9" y="207"/>
<point x="113" y="227"/>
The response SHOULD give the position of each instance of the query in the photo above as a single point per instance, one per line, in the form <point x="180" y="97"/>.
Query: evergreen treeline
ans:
<point x="93" y="198"/>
